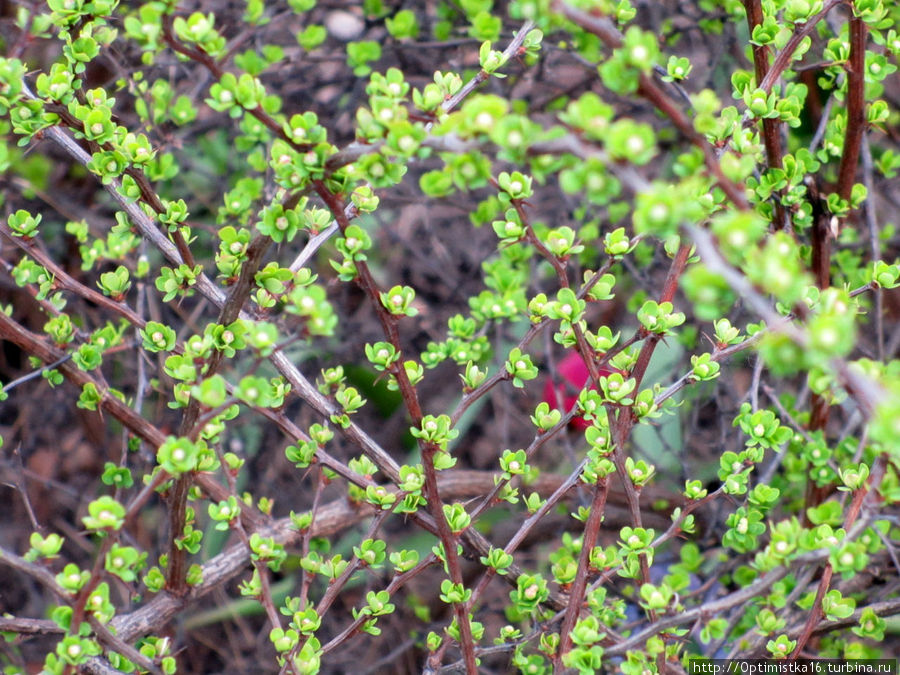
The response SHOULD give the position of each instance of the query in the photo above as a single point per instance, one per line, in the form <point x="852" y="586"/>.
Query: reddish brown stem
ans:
<point x="576" y="593"/>
<point x="63" y="280"/>
<point x="80" y="604"/>
<point x="435" y="506"/>
<point x="240" y="291"/>
<point x="856" y="108"/>
<point x="411" y="400"/>
<point x="821" y="232"/>
<point x="771" y="127"/>
<point x="859" y="495"/>
<point x="200" y="56"/>
<point x="783" y="58"/>
<point x="670" y="286"/>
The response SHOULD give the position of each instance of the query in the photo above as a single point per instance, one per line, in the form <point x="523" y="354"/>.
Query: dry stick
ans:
<point x="771" y="127"/>
<point x="21" y="486"/>
<point x="823" y="124"/>
<point x="23" y="626"/>
<point x="117" y="644"/>
<point x="34" y="374"/>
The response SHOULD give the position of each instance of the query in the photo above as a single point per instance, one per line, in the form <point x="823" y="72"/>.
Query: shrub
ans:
<point x="534" y="335"/>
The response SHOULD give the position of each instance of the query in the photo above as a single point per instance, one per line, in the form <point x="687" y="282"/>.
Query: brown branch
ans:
<point x="200" y="56"/>
<point x="783" y="58"/>
<point x="24" y="626"/>
<point x="79" y="605"/>
<point x="429" y="450"/>
<point x="589" y="540"/>
<point x="33" y="345"/>
<point x="856" y="107"/>
<point x="64" y="280"/>
<point x="771" y="127"/>
<point x="820" y="410"/>
<point x="815" y="614"/>
<point x="176" y="572"/>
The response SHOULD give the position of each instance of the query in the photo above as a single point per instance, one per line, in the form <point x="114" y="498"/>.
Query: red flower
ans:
<point x="572" y="373"/>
